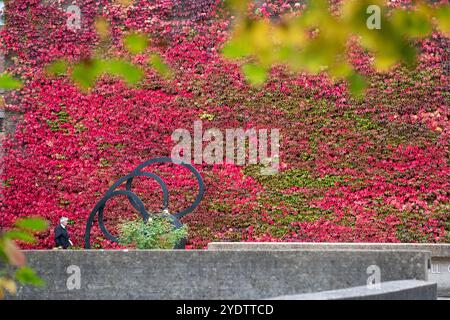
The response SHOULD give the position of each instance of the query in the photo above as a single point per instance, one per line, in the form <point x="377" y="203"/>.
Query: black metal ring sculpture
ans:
<point x="138" y="204"/>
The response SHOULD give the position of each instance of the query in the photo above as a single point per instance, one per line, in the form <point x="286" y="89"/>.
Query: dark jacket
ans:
<point x="61" y="237"/>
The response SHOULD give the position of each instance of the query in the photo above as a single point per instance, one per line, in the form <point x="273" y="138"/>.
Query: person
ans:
<point x="62" y="239"/>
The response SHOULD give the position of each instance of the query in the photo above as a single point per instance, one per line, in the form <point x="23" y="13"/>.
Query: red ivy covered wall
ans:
<point x="372" y="169"/>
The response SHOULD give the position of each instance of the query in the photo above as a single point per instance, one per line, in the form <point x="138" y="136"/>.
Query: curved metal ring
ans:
<point x="201" y="185"/>
<point x="100" y="206"/>
<point x="158" y="179"/>
<point x="137" y="203"/>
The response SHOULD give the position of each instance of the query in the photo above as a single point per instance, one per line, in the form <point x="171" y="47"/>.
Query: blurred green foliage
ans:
<point x="86" y="72"/>
<point x="136" y="43"/>
<point x="10" y="255"/>
<point x="316" y="39"/>
<point x="8" y="82"/>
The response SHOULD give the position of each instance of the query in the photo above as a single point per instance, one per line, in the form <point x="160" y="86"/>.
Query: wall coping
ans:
<point x="436" y="249"/>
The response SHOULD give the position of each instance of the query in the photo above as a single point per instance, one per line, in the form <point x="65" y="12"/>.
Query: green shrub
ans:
<point x="157" y="233"/>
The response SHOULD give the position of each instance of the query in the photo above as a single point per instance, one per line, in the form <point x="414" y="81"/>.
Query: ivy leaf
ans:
<point x="236" y="49"/>
<point x="26" y="275"/>
<point x="102" y="28"/>
<point x="127" y="71"/>
<point x="237" y="6"/>
<point x="156" y="62"/>
<point x="442" y="17"/>
<point x="357" y="84"/>
<point x="136" y="42"/>
<point x="8" y="82"/>
<point x="13" y="254"/>
<point x="57" y="68"/>
<point x="8" y="284"/>
<point x="19" y="235"/>
<point x="241" y="44"/>
<point x="86" y="72"/>
<point x="125" y="2"/>
<point x="255" y="74"/>
<point x="32" y="224"/>
<point x="413" y="24"/>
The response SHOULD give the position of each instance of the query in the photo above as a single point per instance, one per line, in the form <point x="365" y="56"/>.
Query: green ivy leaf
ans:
<point x="255" y="74"/>
<point x="26" y="275"/>
<point x="413" y="24"/>
<point x="442" y="17"/>
<point x="357" y="84"/>
<point x="19" y="235"/>
<point x="136" y="42"/>
<point x="127" y="71"/>
<point x="236" y="49"/>
<point x="57" y="68"/>
<point x="238" y="6"/>
<point x="8" y="82"/>
<point x="32" y="224"/>
<point x="156" y="62"/>
<point x="86" y="72"/>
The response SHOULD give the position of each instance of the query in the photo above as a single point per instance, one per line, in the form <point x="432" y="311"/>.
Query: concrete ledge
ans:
<point x="439" y="270"/>
<point x="436" y="249"/>
<point x="203" y="274"/>
<point x="393" y="290"/>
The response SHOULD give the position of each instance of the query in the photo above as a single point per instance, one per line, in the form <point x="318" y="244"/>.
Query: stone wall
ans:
<point x="206" y="274"/>
<point x="439" y="270"/>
